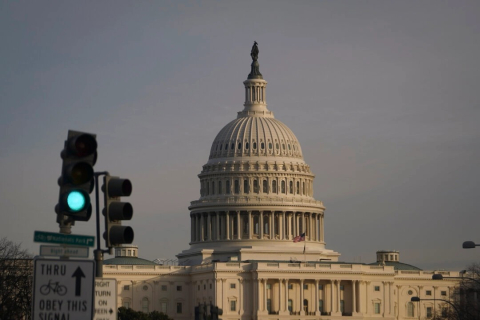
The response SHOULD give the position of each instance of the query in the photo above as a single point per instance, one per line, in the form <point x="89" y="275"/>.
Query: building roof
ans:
<point x="128" y="261"/>
<point x="397" y="265"/>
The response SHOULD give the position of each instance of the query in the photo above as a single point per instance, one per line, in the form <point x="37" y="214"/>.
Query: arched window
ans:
<point x="220" y="187"/>
<point x="291" y="187"/>
<point x="227" y="184"/>
<point x="233" y="146"/>
<point x="245" y="186"/>
<point x="240" y="146"/>
<point x="255" y="145"/>
<point x="265" y="186"/>
<point x="237" y="186"/>
<point x="246" y="145"/>
<point x="262" y="145"/>
<point x="213" y="187"/>
<point x="298" y="187"/>
<point x="274" y="186"/>
<point x="208" y="188"/>
<point x="410" y="309"/>
<point x="145" y="305"/>
<point x="283" y="187"/>
<point x="269" y="145"/>
<point x="256" y="188"/>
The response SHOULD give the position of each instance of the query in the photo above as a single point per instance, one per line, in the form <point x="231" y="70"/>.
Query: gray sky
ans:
<point x="382" y="95"/>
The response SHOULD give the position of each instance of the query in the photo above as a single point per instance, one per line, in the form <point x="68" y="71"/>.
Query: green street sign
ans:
<point x="70" y="239"/>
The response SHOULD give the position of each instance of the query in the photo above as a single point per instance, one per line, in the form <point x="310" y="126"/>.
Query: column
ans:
<point x="199" y="236"/>
<point x="209" y="226"/>
<point x="270" y="227"/>
<point x="338" y="295"/>
<point x="250" y="225"/>
<point x="284" y="224"/>
<point x="217" y="222"/>
<point x="331" y="296"/>
<point x="192" y="228"/>
<point x="265" y="294"/>
<point x="367" y="287"/>
<point x="354" y="296"/>
<point x="239" y="230"/>
<point x="390" y="298"/>
<point x="240" y="297"/>
<point x="297" y="229"/>
<point x="227" y="225"/>
<point x="317" y="311"/>
<point x="280" y="300"/>
<point x="302" y="312"/>
<point x="286" y="297"/>
<point x="261" y="224"/>
<point x="384" y="298"/>
<point x="290" y="226"/>
<point x="321" y="229"/>
<point x="202" y="229"/>
<point x="304" y="223"/>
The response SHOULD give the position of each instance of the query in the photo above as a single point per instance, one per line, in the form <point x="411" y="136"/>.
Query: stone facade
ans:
<point x="256" y="197"/>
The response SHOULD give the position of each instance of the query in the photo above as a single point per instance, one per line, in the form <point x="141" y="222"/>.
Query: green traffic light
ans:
<point x="76" y="201"/>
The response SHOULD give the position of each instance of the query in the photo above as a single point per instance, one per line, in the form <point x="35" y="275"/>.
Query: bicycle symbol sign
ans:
<point x="54" y="287"/>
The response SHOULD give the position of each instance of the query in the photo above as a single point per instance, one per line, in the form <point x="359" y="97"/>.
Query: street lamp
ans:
<point x="417" y="299"/>
<point x="469" y="245"/>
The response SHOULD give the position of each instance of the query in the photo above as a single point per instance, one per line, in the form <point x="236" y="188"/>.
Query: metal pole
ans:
<point x="98" y="253"/>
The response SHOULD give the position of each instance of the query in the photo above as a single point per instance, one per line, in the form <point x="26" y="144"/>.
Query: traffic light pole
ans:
<point x="98" y="253"/>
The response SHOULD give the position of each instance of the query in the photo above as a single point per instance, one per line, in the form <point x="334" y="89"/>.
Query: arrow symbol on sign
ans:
<point x="78" y="275"/>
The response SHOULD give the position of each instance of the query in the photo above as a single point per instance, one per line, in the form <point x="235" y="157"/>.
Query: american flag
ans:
<point x="299" y="238"/>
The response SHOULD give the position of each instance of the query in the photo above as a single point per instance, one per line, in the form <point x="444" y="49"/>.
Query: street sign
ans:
<point x="63" y="251"/>
<point x="63" y="289"/>
<point x="74" y="240"/>
<point x="105" y="299"/>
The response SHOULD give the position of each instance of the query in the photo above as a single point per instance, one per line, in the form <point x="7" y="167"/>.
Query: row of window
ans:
<point x="217" y="187"/>
<point x="163" y="288"/>
<point x="163" y="306"/>
<point x="225" y="146"/>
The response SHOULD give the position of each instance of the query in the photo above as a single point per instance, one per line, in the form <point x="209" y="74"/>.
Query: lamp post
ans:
<point x="417" y="299"/>
<point x="469" y="245"/>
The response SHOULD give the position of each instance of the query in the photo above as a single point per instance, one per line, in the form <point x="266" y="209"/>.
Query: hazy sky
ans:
<point x="382" y="95"/>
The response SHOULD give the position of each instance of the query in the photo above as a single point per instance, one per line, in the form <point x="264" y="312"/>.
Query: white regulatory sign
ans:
<point x="63" y="289"/>
<point x="105" y="299"/>
<point x="64" y="251"/>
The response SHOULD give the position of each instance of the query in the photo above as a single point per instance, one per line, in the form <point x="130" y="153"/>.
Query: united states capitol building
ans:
<point x="256" y="196"/>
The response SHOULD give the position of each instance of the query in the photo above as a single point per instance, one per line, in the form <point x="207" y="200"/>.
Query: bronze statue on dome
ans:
<point x="254" y="52"/>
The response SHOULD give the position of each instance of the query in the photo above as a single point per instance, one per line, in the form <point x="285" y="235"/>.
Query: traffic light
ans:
<point x="76" y="182"/>
<point x="115" y="211"/>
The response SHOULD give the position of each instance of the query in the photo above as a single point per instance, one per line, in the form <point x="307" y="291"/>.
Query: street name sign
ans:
<point x="64" y="251"/>
<point x="63" y="289"/>
<point x="60" y="238"/>
<point x="105" y="299"/>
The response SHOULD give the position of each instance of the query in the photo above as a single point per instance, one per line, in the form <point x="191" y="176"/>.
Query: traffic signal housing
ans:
<point x="77" y="179"/>
<point x="115" y="211"/>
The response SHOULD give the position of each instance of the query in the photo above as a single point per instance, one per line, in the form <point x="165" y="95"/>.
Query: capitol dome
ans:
<point x="256" y="191"/>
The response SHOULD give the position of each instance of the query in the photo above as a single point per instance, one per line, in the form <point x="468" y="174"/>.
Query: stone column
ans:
<point x="217" y="223"/>
<point x="280" y="300"/>
<point x="270" y="227"/>
<point x="261" y="224"/>
<point x="240" y="297"/>
<point x="250" y="225"/>
<point x="286" y="297"/>
<point x="354" y="296"/>
<point x="192" y="228"/>
<point x="265" y="295"/>
<point x="317" y="307"/>
<point x="338" y="296"/>
<point x="239" y="230"/>
<point x="367" y="289"/>
<point x="384" y="309"/>
<point x="321" y="229"/>
<point x="332" y="296"/>
<point x="304" y="224"/>
<point x="284" y="224"/>
<point x="227" y="225"/>
<point x="209" y="226"/>
<point x="302" y="312"/>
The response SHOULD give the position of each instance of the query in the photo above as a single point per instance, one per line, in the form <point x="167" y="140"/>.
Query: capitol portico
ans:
<point x="256" y="196"/>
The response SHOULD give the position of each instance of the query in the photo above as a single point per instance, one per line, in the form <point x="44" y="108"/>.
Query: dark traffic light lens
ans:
<point x="84" y="145"/>
<point x="80" y="173"/>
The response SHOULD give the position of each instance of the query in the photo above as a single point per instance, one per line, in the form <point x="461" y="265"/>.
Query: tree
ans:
<point x="466" y="302"/>
<point x="16" y="275"/>
<point x="129" y="314"/>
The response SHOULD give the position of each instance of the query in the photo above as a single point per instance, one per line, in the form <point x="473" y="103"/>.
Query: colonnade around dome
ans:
<point x="256" y="225"/>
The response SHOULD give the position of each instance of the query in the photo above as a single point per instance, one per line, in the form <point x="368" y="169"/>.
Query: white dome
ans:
<point x="255" y="136"/>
